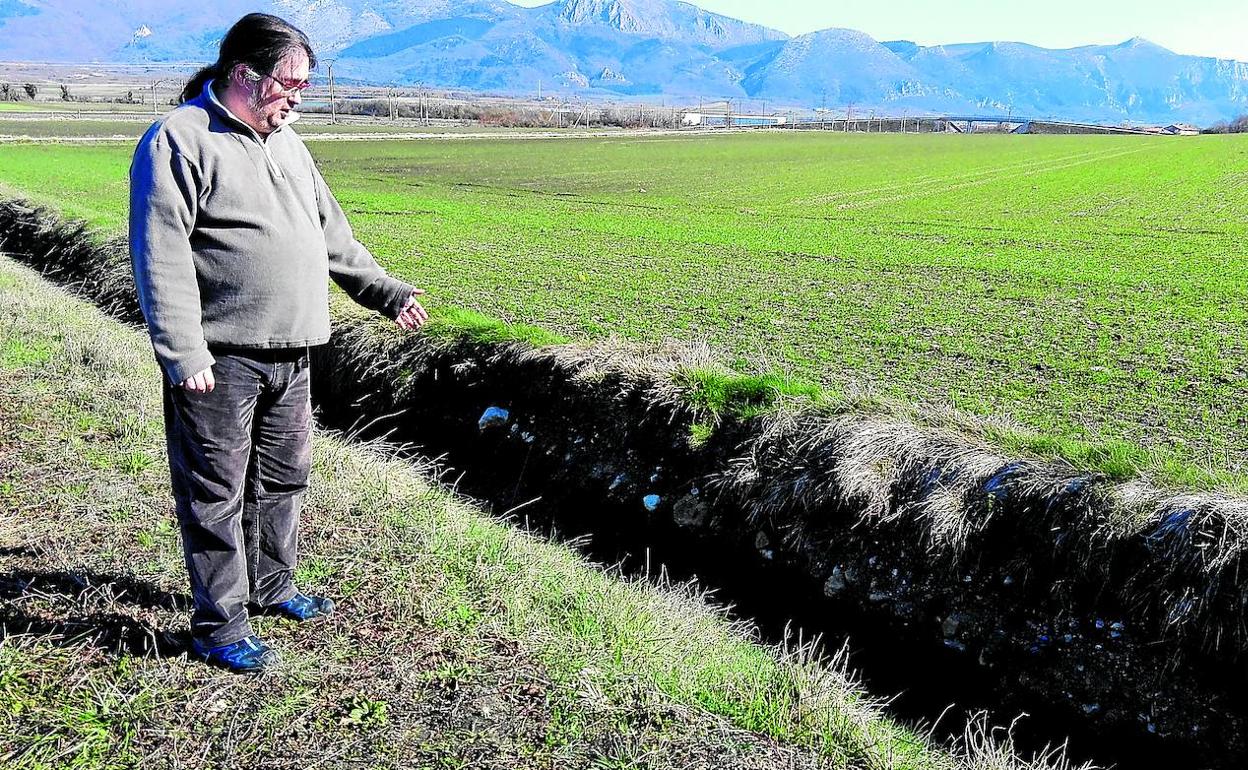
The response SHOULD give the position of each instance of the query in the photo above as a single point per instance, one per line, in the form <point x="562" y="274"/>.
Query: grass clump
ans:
<point x="1120" y="460"/>
<point x="456" y="324"/>
<point x="728" y="394"/>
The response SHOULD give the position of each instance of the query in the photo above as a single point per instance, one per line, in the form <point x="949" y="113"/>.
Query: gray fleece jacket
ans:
<point x="234" y="237"/>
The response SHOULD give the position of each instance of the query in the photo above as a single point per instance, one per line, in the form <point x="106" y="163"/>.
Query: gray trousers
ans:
<point x="239" y="459"/>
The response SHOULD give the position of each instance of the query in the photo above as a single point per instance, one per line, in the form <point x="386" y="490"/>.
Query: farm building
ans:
<point x="1182" y="129"/>
<point x="721" y="114"/>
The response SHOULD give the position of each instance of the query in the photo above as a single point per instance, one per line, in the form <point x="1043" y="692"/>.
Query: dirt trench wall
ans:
<point x="1116" y="607"/>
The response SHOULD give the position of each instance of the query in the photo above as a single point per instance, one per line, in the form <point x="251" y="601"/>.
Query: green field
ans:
<point x="33" y="126"/>
<point x="73" y="107"/>
<point x="1084" y="288"/>
<point x="37" y="128"/>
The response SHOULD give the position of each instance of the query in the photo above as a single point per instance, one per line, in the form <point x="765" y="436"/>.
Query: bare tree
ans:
<point x="1237" y="126"/>
<point x="7" y="94"/>
<point x="66" y="96"/>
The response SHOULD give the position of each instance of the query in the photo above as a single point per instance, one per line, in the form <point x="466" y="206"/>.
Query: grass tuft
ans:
<point x="459" y="324"/>
<point x="741" y="396"/>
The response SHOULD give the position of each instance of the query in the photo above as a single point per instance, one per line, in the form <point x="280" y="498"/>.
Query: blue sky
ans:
<point x="1206" y="28"/>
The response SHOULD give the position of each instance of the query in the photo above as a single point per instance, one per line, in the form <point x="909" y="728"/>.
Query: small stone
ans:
<point x="950" y="625"/>
<point x="836" y="582"/>
<point x="651" y="502"/>
<point x="691" y="513"/>
<point x="762" y="544"/>
<point x="494" y="417"/>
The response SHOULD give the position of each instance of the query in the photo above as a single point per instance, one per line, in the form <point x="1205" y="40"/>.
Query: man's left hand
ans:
<point x="412" y="316"/>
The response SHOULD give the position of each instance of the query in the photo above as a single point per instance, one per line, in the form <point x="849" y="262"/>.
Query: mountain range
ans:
<point x="651" y="50"/>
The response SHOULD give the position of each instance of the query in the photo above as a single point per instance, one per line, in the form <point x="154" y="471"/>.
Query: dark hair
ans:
<point x="258" y="40"/>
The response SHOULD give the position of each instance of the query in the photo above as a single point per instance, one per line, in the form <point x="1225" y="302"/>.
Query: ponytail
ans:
<point x="195" y="86"/>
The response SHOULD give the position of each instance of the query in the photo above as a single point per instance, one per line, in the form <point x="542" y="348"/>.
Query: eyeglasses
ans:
<point x="289" y="87"/>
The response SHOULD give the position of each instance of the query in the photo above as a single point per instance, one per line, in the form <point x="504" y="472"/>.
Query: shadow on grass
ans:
<point x="30" y="600"/>
<point x="24" y="551"/>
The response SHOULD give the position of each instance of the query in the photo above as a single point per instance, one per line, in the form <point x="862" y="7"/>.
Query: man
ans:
<point x="233" y="239"/>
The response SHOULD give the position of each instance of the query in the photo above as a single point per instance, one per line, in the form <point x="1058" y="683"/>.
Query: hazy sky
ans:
<point x="1206" y="28"/>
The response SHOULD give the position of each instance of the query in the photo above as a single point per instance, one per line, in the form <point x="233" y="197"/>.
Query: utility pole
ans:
<point x="333" y="109"/>
<point x="153" y="87"/>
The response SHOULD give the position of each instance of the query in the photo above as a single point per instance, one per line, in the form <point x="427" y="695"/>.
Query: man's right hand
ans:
<point x="200" y="383"/>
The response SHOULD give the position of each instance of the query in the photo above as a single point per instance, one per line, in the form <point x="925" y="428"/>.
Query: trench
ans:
<point x="590" y="475"/>
<point x="1128" y="643"/>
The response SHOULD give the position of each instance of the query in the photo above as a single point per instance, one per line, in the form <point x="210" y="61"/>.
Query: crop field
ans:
<point x="36" y="128"/>
<point x="75" y="108"/>
<point x="39" y="125"/>
<point x="1090" y="292"/>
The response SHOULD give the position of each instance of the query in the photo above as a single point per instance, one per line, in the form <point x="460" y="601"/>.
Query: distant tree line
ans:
<point x="1237" y="126"/>
<point x="509" y="116"/>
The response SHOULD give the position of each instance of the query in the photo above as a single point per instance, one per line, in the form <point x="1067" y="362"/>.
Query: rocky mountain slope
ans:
<point x="655" y="49"/>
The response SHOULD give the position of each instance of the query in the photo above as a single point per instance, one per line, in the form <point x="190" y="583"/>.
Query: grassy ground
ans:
<point x="460" y="642"/>
<point x="72" y="127"/>
<point x="1089" y="290"/>
<point x="73" y="107"/>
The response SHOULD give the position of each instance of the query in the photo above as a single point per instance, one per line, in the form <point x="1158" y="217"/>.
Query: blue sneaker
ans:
<point x="246" y="656"/>
<point x="302" y="607"/>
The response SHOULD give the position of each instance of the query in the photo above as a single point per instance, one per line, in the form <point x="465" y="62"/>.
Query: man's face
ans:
<point x="270" y="101"/>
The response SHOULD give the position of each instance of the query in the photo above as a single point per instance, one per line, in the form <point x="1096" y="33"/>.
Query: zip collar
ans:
<point x="210" y="97"/>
